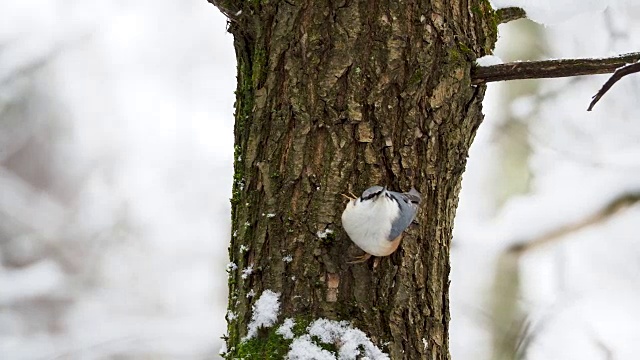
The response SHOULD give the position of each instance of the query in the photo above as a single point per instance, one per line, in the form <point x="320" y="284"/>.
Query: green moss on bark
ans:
<point x="268" y="344"/>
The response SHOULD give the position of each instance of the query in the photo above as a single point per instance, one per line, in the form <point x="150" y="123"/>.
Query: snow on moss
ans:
<point x="303" y="348"/>
<point x="265" y="312"/>
<point x="324" y="339"/>
<point x="286" y="329"/>
<point x="350" y="343"/>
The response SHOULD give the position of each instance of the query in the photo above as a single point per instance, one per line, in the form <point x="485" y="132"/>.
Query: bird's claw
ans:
<point x="360" y="259"/>
<point x="350" y="196"/>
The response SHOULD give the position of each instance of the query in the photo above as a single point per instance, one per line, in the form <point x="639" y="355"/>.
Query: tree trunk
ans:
<point x="335" y="97"/>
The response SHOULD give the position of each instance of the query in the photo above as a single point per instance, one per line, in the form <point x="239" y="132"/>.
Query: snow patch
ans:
<point x="285" y="329"/>
<point x="488" y="60"/>
<point x="231" y="266"/>
<point x="349" y="341"/>
<point x="303" y="348"/>
<point x="247" y="271"/>
<point x="265" y="312"/>
<point x="324" y="233"/>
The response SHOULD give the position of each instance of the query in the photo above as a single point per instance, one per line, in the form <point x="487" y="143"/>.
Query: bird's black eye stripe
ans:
<point x="410" y="200"/>
<point x="371" y="196"/>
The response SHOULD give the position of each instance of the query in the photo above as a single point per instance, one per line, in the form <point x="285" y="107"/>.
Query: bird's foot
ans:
<point x="349" y="196"/>
<point x="360" y="259"/>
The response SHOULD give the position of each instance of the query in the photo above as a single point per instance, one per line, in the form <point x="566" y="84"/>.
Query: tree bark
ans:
<point x="335" y="97"/>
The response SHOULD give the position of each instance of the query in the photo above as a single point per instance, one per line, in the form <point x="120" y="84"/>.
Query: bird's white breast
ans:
<point x="368" y="224"/>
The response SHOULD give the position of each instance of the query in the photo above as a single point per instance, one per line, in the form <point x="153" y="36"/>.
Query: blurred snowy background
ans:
<point x="543" y="170"/>
<point x="116" y="146"/>
<point x="116" y="165"/>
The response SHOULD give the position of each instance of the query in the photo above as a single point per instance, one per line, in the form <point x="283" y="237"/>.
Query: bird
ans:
<point x="376" y="220"/>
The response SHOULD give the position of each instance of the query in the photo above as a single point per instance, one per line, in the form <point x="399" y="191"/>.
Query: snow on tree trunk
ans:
<point x="335" y="97"/>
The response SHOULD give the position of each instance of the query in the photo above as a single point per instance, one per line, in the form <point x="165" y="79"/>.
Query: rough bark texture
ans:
<point x="336" y="96"/>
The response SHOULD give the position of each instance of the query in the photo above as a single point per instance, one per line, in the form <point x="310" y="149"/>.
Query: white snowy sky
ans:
<point x="144" y="93"/>
<point x="116" y="166"/>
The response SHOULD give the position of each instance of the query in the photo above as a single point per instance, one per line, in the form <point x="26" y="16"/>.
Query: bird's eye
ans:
<point x="372" y="195"/>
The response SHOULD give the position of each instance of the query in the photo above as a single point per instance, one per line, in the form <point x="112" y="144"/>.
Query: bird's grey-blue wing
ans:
<point x="408" y="203"/>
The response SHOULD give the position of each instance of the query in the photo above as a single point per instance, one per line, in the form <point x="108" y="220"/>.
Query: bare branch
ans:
<point x="618" y="204"/>
<point x="623" y="71"/>
<point x="507" y="14"/>
<point x="550" y="68"/>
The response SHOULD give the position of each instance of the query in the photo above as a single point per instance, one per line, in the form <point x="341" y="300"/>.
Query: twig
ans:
<point x="550" y="68"/>
<point x="507" y="14"/>
<point x="620" y="72"/>
<point x="618" y="204"/>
